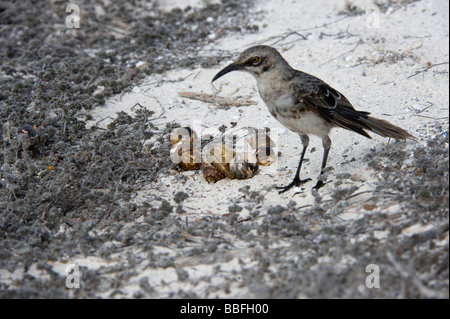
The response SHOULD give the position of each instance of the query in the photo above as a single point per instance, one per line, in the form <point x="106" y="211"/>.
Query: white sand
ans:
<point x="371" y="66"/>
<point x="344" y="54"/>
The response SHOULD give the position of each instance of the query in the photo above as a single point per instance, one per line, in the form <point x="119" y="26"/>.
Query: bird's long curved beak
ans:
<point x="225" y="70"/>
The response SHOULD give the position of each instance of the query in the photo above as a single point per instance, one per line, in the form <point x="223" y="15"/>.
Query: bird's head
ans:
<point x="255" y="60"/>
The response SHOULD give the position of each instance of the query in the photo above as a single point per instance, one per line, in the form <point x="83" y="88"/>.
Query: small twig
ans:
<point x="296" y="210"/>
<point x="137" y="104"/>
<point x="340" y="55"/>
<point x="426" y="108"/>
<point x="357" y="194"/>
<point x="281" y="36"/>
<point x="433" y="118"/>
<point x="96" y="124"/>
<point x="289" y="34"/>
<point x="195" y="77"/>
<point x="285" y="35"/>
<point x="160" y="115"/>
<point x="161" y="82"/>
<point x="244" y="220"/>
<point x="144" y="107"/>
<point x="426" y="69"/>
<point x="324" y="25"/>
<point x="339" y="35"/>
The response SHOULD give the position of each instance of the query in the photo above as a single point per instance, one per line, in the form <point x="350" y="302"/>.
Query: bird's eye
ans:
<point x="255" y="60"/>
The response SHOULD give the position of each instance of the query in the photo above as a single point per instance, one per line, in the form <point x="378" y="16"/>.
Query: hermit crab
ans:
<point x="229" y="163"/>
<point x="184" y="150"/>
<point x="263" y="144"/>
<point x="243" y="166"/>
<point x="224" y="156"/>
<point x="183" y="135"/>
<point x="188" y="157"/>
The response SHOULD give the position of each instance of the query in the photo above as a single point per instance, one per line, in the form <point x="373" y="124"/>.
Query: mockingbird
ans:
<point x="305" y="104"/>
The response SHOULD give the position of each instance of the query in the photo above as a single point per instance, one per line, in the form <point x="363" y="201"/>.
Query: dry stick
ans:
<point x="214" y="99"/>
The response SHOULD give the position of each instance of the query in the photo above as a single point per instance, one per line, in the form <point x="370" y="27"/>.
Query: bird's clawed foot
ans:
<point x="296" y="182"/>
<point x="319" y="185"/>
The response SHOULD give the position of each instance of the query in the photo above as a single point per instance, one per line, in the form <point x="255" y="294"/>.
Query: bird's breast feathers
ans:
<point x="296" y="118"/>
<point x="288" y="110"/>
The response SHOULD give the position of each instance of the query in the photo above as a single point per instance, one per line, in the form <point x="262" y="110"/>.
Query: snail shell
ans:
<point x="183" y="135"/>
<point x="265" y="155"/>
<point x="211" y="173"/>
<point x="220" y="156"/>
<point x="187" y="157"/>
<point x="260" y="139"/>
<point x="243" y="166"/>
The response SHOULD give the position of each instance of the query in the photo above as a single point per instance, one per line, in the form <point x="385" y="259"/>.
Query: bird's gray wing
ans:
<point x="317" y="96"/>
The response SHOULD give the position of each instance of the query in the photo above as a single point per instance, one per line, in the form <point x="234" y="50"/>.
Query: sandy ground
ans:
<point x="347" y="53"/>
<point x="243" y="239"/>
<point x="373" y="66"/>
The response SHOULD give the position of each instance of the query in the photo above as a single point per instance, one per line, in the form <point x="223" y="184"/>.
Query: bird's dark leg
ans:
<point x="326" y="149"/>
<point x="297" y="181"/>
